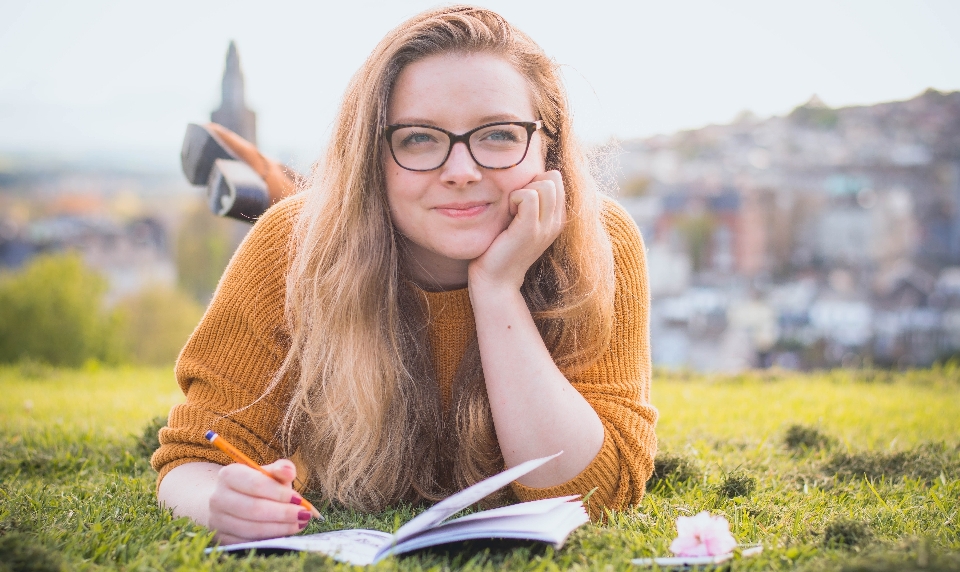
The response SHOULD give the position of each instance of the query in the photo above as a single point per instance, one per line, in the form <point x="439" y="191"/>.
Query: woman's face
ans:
<point x="452" y="214"/>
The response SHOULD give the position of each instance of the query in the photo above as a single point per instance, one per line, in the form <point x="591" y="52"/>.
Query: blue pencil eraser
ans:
<point x="210" y="435"/>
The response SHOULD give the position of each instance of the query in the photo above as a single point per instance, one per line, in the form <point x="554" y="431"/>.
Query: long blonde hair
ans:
<point x="365" y="412"/>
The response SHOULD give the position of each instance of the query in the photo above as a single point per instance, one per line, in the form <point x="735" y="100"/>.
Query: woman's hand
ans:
<point x="539" y="211"/>
<point x="248" y="505"/>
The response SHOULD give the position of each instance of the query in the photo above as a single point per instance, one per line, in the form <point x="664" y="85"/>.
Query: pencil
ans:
<point x="238" y="456"/>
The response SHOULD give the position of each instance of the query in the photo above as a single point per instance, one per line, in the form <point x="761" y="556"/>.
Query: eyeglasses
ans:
<point x="493" y="146"/>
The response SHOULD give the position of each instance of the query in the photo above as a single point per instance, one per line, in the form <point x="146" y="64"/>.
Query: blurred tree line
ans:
<point x="52" y="311"/>
<point x="205" y="244"/>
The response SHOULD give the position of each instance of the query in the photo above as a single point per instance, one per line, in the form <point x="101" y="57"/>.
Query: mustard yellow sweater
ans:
<point x="239" y="344"/>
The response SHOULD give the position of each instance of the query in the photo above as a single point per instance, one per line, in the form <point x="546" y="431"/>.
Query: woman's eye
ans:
<point x="501" y="135"/>
<point x="414" y="139"/>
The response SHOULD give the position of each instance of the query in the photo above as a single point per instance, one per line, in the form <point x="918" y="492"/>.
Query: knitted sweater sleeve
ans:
<point x="231" y="357"/>
<point x="618" y="386"/>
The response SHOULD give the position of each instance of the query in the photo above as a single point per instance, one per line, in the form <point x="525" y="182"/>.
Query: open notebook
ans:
<point x="549" y="520"/>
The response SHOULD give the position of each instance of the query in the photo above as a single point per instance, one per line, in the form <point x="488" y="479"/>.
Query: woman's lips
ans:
<point x="462" y="210"/>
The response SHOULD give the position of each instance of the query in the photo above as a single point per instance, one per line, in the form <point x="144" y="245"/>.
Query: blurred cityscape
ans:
<point x="827" y="237"/>
<point x="138" y="229"/>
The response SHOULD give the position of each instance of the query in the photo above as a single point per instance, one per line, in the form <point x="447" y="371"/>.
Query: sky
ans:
<point x="118" y="81"/>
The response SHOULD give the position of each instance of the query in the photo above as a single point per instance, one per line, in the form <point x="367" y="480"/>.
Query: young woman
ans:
<point x="448" y="296"/>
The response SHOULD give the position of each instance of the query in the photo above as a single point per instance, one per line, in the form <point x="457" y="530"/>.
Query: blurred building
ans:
<point x="233" y="113"/>
<point x="127" y="224"/>
<point x="131" y="254"/>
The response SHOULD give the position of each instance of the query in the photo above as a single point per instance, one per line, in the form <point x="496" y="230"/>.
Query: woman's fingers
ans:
<point x="526" y="203"/>
<point x="553" y="185"/>
<point x="232" y="529"/>
<point x="252" y="482"/>
<point x="538" y="209"/>
<point x="549" y="187"/>
<point x="560" y="202"/>
<point x="283" y="471"/>
<point x="545" y="188"/>
<point x="548" y="200"/>
<point x="246" y="507"/>
<point x="247" y="504"/>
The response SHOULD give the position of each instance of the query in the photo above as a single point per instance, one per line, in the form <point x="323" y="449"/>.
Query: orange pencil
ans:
<point x="238" y="456"/>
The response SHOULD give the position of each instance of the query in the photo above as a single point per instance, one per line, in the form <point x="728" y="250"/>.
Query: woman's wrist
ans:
<point x="490" y="293"/>
<point x="187" y="489"/>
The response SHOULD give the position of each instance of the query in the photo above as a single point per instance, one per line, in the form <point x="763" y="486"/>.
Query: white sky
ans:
<point x="122" y="78"/>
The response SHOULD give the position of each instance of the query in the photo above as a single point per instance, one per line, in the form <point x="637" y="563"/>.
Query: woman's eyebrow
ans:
<point x="414" y="121"/>
<point x="479" y="121"/>
<point x="499" y="117"/>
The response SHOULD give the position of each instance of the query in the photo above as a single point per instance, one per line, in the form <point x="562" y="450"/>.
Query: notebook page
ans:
<point x="468" y="496"/>
<point x="552" y="527"/>
<point x="357" y="546"/>
<point x="519" y="509"/>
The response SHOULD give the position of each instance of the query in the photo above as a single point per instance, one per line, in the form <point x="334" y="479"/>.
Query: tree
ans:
<point x="52" y="311"/>
<point x="205" y="244"/>
<point x="156" y="324"/>
<point x="697" y="231"/>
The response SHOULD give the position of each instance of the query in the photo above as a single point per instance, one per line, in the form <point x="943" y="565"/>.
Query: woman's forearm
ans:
<point x="536" y="412"/>
<point x="187" y="490"/>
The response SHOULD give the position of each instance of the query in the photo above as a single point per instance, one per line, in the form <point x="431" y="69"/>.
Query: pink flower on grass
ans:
<point x="702" y="535"/>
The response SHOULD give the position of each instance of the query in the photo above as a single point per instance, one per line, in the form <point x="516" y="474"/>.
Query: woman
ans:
<point x="448" y="296"/>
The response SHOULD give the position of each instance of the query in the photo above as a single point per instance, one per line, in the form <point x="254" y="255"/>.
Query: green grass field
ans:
<point x="831" y="471"/>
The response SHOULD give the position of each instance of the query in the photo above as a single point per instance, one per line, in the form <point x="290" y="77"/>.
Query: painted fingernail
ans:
<point x="295" y="499"/>
<point x="303" y="515"/>
<point x="303" y="525"/>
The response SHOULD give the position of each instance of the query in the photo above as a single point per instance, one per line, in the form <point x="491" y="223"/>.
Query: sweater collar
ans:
<point x="448" y="305"/>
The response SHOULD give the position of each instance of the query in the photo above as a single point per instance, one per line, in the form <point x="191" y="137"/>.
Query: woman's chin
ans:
<point x="463" y="254"/>
<point x="466" y="249"/>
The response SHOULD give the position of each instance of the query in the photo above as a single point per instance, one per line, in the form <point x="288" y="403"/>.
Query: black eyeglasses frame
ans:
<point x="530" y="126"/>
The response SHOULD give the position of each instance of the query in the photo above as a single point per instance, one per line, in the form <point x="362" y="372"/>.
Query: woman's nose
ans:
<point x="460" y="168"/>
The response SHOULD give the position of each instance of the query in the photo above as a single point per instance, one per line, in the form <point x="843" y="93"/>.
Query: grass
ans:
<point x="832" y="471"/>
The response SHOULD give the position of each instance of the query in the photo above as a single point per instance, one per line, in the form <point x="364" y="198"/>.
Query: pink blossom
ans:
<point x="702" y="535"/>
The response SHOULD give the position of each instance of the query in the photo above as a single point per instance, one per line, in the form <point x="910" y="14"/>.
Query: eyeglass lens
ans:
<point x="493" y="147"/>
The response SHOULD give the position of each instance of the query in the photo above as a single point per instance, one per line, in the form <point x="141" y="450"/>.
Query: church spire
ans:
<point x="233" y="113"/>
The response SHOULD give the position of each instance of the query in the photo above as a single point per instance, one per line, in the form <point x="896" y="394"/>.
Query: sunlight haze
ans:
<point x="121" y="79"/>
